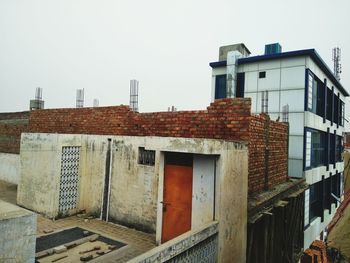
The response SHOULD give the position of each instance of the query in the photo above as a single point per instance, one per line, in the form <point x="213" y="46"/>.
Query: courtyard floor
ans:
<point x="136" y="242"/>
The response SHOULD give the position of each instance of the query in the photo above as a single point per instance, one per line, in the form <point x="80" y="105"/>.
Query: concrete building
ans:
<point x="18" y="233"/>
<point x="133" y="168"/>
<point x="12" y="124"/>
<point x="301" y="84"/>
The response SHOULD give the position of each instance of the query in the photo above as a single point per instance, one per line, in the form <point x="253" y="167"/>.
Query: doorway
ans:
<point x="177" y="195"/>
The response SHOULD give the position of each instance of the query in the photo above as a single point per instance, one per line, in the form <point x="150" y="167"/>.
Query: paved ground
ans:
<point x="137" y="242"/>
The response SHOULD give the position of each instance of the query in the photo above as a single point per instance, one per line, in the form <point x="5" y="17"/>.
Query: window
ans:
<point x="308" y="149"/>
<point x="311" y="90"/>
<point x="338" y="148"/>
<point x="262" y="74"/>
<point x="306" y="207"/>
<point x="316" y="194"/>
<point x="320" y="107"/>
<point x="146" y="157"/>
<point x="316" y="94"/>
<point x="329" y="105"/>
<point x="332" y="149"/>
<point x="341" y="113"/>
<point x="318" y="148"/>
<point x="315" y="148"/>
<point x="327" y="193"/>
<point x="220" y="87"/>
<point x="336" y="109"/>
<point x="341" y="184"/>
<point x="240" y="85"/>
<point x="335" y="187"/>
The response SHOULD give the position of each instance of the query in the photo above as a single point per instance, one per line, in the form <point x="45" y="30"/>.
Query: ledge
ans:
<point x="262" y="202"/>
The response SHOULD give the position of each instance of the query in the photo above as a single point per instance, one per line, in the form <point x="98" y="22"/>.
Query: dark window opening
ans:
<point x="327" y="194"/>
<point x="146" y="157"/>
<point x="332" y="149"/>
<point x="335" y="187"/>
<point x="329" y="105"/>
<point x="220" y="87"/>
<point x="316" y="194"/>
<point x="240" y="85"/>
<point x="341" y="113"/>
<point x="262" y="74"/>
<point x="336" y="110"/>
<point x="320" y="98"/>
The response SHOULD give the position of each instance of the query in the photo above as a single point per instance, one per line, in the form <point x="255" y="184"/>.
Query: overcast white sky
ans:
<point x="99" y="45"/>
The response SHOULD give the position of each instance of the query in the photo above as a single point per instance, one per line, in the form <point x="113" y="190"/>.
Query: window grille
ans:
<point x="146" y="157"/>
<point x="69" y="181"/>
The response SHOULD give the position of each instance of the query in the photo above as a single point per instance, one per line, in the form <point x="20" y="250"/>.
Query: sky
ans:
<point x="99" y="45"/>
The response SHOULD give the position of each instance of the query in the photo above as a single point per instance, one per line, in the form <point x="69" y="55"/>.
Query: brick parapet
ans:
<point x="226" y="119"/>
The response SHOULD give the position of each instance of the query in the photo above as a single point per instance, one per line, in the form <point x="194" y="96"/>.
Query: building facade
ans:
<point x="298" y="87"/>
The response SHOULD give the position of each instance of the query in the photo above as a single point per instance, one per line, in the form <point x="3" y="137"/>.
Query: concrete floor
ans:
<point x="137" y="242"/>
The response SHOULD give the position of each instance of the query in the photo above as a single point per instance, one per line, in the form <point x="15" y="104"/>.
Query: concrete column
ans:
<point x="232" y="206"/>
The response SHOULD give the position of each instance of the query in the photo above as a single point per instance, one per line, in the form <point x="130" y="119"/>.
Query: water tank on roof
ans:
<point x="274" y="48"/>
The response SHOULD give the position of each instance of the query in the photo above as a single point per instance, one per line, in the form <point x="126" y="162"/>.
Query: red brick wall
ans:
<point x="272" y="136"/>
<point x="228" y="119"/>
<point x="12" y="124"/>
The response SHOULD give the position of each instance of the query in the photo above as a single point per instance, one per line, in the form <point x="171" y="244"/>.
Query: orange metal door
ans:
<point x="177" y="201"/>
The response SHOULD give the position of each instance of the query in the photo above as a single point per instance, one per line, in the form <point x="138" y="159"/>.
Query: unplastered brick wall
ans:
<point x="227" y="119"/>
<point x="224" y="119"/>
<point x="268" y="153"/>
<point x="12" y="124"/>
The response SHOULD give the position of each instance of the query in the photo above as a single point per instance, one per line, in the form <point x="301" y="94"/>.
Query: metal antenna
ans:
<point x="38" y="102"/>
<point x="285" y="113"/>
<point x="39" y="93"/>
<point x="134" y="95"/>
<point x="80" y="98"/>
<point x="336" y="55"/>
<point x="96" y="103"/>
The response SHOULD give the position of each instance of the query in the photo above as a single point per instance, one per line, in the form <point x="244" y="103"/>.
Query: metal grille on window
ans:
<point x="306" y="207"/>
<point x="146" y="157"/>
<point x="69" y="178"/>
<point x="308" y="150"/>
<point x="309" y="101"/>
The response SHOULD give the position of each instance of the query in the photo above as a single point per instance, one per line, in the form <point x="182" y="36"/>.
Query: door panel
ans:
<point x="177" y="201"/>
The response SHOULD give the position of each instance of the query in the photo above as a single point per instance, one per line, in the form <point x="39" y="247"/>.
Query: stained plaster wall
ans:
<point x="38" y="188"/>
<point x="9" y="167"/>
<point x="17" y="234"/>
<point x="136" y="190"/>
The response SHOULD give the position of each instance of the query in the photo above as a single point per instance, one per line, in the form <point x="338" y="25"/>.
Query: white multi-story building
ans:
<point x="300" y="83"/>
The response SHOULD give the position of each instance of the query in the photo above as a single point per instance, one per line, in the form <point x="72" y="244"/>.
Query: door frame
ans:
<point x="159" y="222"/>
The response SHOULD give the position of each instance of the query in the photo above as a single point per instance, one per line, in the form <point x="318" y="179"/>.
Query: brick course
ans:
<point x="12" y="124"/>
<point x="227" y="119"/>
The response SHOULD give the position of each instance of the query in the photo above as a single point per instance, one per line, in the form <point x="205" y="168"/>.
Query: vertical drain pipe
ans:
<point x="214" y="192"/>
<point x="106" y="187"/>
<point x="110" y="177"/>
